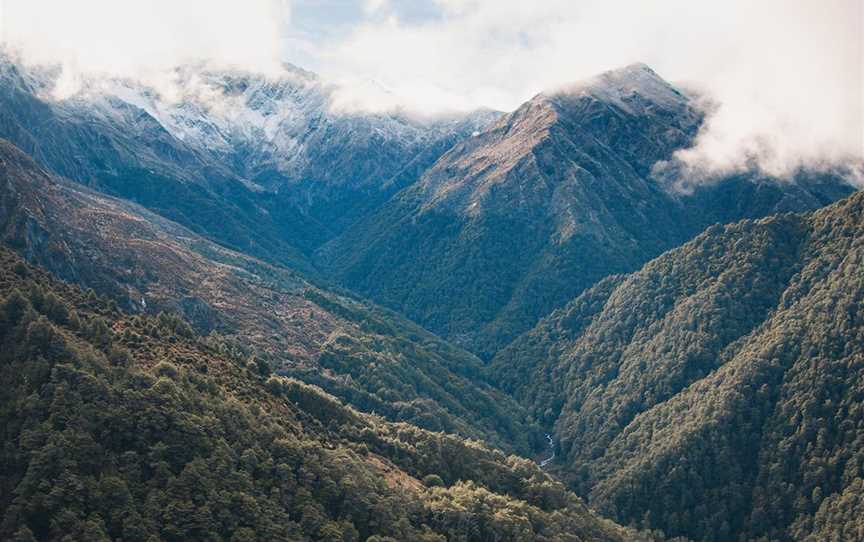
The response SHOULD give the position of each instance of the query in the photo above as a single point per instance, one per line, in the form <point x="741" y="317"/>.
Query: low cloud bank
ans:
<point x="785" y="76"/>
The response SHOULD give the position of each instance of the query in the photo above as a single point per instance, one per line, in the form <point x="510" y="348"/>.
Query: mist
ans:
<point x="784" y="77"/>
<point x="143" y="40"/>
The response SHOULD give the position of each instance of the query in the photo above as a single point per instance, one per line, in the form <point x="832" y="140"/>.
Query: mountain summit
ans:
<point x="512" y="223"/>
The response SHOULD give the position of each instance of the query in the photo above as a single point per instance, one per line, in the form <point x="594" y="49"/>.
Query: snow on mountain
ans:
<point x="621" y="86"/>
<point x="281" y="128"/>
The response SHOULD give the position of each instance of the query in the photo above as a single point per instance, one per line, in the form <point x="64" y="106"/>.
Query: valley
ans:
<point x="246" y="315"/>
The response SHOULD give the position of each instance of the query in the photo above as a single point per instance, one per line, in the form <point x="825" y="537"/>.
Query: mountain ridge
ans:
<point x="711" y="392"/>
<point x="262" y="166"/>
<point x="367" y="356"/>
<point x="510" y="224"/>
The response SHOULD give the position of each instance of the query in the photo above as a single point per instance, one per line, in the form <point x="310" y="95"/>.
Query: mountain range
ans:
<point x="353" y="317"/>
<point x="259" y="164"/>
<point x="553" y="197"/>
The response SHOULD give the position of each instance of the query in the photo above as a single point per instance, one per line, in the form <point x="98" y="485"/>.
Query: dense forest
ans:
<point x="717" y="393"/>
<point x="131" y="427"/>
<point x="369" y="357"/>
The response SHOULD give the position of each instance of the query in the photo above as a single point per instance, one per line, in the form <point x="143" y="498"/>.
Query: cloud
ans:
<point x="374" y="6"/>
<point x="792" y="95"/>
<point x="143" y="39"/>
<point x="785" y="75"/>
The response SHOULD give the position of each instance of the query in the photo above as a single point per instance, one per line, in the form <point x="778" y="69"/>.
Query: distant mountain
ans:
<point x="262" y="165"/>
<point x="367" y="356"/>
<point x="121" y="150"/>
<point x="512" y="223"/>
<point x="284" y="136"/>
<point x="129" y="427"/>
<point x="716" y="393"/>
<point x="521" y="213"/>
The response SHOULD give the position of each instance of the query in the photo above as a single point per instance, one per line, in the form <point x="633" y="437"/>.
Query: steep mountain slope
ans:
<point x="717" y="393"/>
<point x="512" y="223"/>
<point x="367" y="356"/>
<point x="125" y="152"/>
<point x="259" y="164"/>
<point x="284" y="136"/>
<point x="118" y="427"/>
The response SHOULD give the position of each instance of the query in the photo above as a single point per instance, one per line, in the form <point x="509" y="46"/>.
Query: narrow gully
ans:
<point x="551" y="451"/>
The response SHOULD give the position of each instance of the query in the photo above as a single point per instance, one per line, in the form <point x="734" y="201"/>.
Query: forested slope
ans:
<point x="369" y="357"/>
<point x="716" y="393"/>
<point x="131" y="427"/>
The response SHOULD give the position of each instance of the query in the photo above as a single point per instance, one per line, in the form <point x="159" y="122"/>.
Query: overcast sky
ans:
<point x="787" y="74"/>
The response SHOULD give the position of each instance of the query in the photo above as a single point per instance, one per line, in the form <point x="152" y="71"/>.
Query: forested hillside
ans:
<point x="367" y="356"/>
<point x="717" y="393"/>
<point x="132" y="427"/>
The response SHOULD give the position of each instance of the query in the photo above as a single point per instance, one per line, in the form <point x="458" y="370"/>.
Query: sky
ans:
<point x="783" y="77"/>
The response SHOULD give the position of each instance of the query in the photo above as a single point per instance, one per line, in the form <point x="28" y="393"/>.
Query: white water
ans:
<point x="551" y="450"/>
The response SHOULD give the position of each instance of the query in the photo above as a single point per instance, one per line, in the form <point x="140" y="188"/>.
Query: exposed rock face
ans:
<point x="552" y="198"/>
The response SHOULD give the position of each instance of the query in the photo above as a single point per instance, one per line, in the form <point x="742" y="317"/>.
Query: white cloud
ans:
<point x="787" y="74"/>
<point x="374" y="6"/>
<point x="143" y="39"/>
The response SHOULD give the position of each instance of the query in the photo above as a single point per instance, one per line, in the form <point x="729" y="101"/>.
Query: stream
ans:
<point x="551" y="451"/>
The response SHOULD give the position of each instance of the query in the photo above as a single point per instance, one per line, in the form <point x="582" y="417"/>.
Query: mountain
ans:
<point x="285" y="136"/>
<point x="366" y="356"/>
<point x="717" y="392"/>
<point x="260" y="164"/>
<point x="423" y="216"/>
<point x="514" y="222"/>
<point x="178" y="363"/>
<point x="130" y="427"/>
<point x="123" y="151"/>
